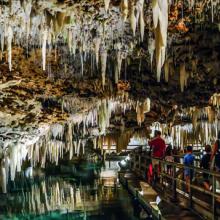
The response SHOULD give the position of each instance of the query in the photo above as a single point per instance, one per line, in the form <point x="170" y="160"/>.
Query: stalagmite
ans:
<point x="103" y="66"/>
<point x="44" y="48"/>
<point x="9" y="42"/>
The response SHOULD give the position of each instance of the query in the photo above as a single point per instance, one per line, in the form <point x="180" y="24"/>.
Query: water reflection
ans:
<point x="65" y="198"/>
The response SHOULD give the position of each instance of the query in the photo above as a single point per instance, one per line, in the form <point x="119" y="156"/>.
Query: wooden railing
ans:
<point x="140" y="161"/>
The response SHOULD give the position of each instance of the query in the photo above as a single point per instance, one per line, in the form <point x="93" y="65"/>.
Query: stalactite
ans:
<point x="97" y="42"/>
<point x="94" y="140"/>
<point x="142" y="25"/>
<point x="133" y="21"/>
<point x="215" y="100"/>
<point x="78" y="147"/>
<point x="160" y="20"/>
<point x="70" y="140"/>
<point x="140" y="17"/>
<point x="103" y="66"/>
<point x="2" y="34"/>
<point x="182" y="76"/>
<point x="118" y="66"/>
<point x="3" y="178"/>
<point x="70" y="41"/>
<point x="211" y="114"/>
<point x="13" y="162"/>
<point x="9" y="42"/>
<point x="166" y="70"/>
<point x="44" y="48"/>
<point x="140" y="113"/>
<point x="124" y="9"/>
<point x="195" y="115"/>
<point x="106" y="2"/>
<point x="146" y="105"/>
<point x="123" y="140"/>
<point x="151" y="49"/>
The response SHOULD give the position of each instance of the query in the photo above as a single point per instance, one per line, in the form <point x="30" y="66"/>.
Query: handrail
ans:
<point x="179" y="165"/>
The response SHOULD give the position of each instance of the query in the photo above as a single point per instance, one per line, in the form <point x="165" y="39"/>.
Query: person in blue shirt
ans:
<point x="188" y="161"/>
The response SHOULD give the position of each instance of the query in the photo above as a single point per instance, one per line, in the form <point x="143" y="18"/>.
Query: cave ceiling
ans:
<point x="105" y="66"/>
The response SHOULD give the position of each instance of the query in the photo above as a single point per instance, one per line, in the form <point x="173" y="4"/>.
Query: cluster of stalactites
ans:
<point x="136" y="14"/>
<point x="205" y="133"/>
<point x="118" y="141"/>
<point x="6" y="31"/>
<point x="105" y="110"/>
<point x="215" y="100"/>
<point x="183" y="135"/>
<point x="141" y="109"/>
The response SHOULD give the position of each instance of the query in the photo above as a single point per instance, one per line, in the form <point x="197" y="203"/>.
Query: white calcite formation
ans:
<point x="9" y="35"/>
<point x="48" y="143"/>
<point x="160" y="21"/>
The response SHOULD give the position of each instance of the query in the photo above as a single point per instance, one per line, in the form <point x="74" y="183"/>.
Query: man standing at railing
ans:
<point x="215" y="157"/>
<point x="157" y="146"/>
<point x="188" y="161"/>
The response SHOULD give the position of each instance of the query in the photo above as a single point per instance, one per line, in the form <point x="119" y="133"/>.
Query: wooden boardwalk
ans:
<point x="147" y="197"/>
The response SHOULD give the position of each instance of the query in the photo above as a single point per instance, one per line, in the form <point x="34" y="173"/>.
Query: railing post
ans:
<point x="213" y="196"/>
<point x="190" y="190"/>
<point x="174" y="183"/>
<point x="139" y="162"/>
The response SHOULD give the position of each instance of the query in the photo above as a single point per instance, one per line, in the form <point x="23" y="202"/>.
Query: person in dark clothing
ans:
<point x="205" y="164"/>
<point x="169" y="157"/>
<point x="216" y="153"/>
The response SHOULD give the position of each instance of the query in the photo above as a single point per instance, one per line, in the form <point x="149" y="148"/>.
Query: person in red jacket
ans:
<point x="158" y="147"/>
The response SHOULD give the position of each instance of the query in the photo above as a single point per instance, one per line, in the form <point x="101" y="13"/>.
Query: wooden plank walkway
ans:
<point x="147" y="196"/>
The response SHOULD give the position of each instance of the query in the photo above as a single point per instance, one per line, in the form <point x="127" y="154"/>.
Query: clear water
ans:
<point x="67" y="198"/>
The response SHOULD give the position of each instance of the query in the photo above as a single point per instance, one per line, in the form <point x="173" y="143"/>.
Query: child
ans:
<point x="169" y="158"/>
<point x="188" y="161"/>
<point x="205" y="164"/>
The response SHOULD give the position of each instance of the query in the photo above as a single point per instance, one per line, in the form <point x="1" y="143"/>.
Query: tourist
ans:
<point x="169" y="157"/>
<point x="157" y="146"/>
<point x="215" y="157"/>
<point x="175" y="153"/>
<point x="188" y="161"/>
<point x="205" y="164"/>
